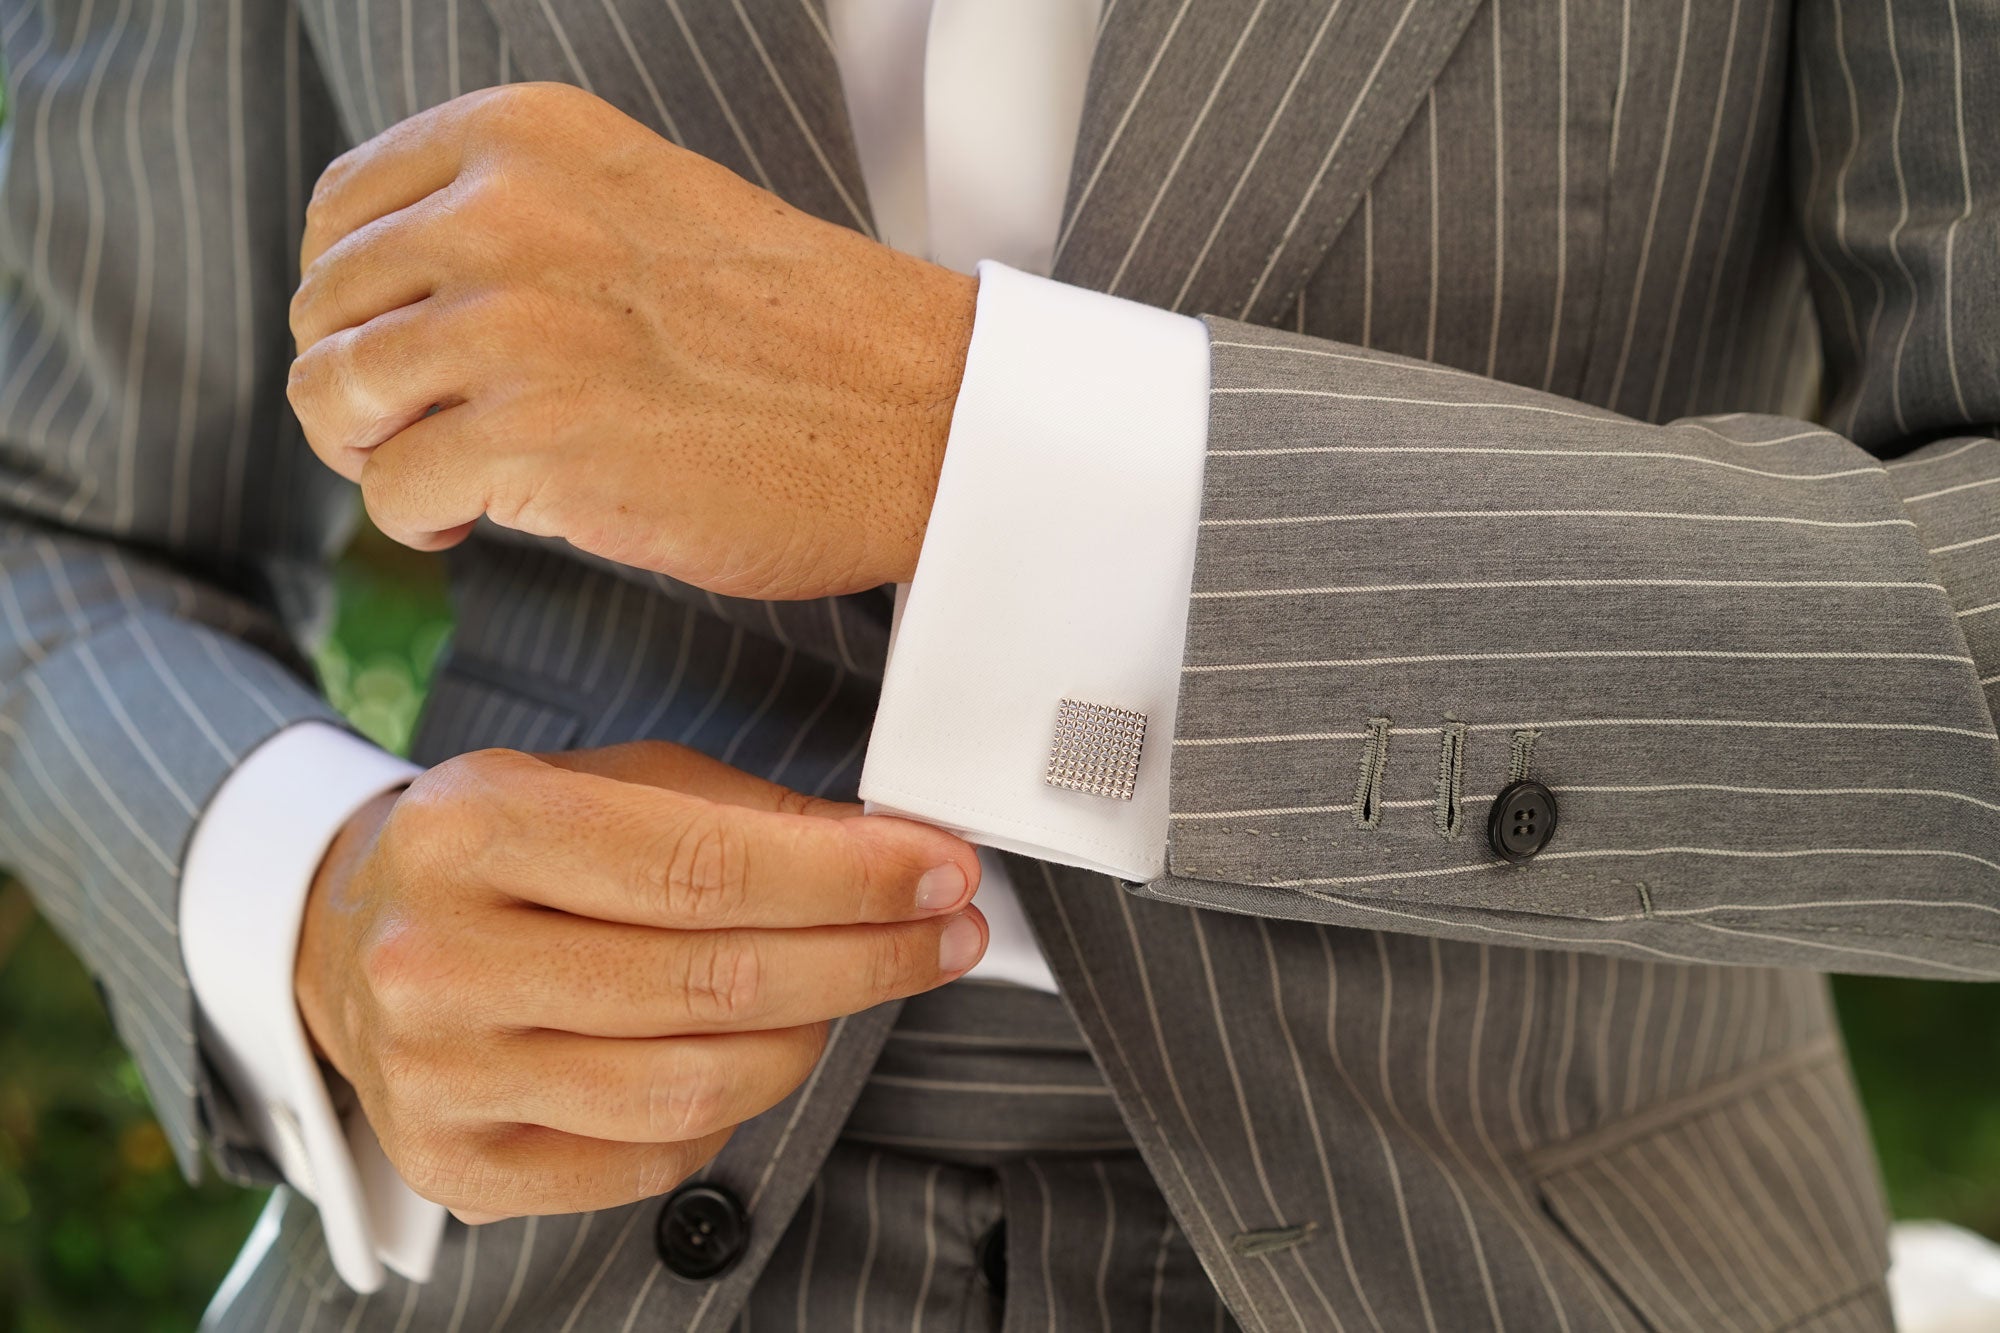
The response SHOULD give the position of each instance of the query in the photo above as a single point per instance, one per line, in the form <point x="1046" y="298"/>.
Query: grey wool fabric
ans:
<point x="1519" y="311"/>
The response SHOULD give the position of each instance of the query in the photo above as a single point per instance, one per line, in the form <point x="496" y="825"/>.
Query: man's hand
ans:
<point x="525" y="305"/>
<point x="558" y="982"/>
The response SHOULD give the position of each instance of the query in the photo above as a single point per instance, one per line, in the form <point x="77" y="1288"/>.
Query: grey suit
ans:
<point x="1511" y="299"/>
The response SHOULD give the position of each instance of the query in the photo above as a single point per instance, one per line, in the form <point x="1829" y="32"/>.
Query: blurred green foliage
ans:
<point x="98" y="1232"/>
<point x="393" y="621"/>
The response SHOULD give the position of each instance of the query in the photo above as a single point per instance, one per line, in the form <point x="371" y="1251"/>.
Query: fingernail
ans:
<point x="941" y="887"/>
<point x="958" y="945"/>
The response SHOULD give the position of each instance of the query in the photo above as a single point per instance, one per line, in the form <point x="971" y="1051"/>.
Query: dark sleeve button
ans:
<point x="702" y="1232"/>
<point x="1522" y="821"/>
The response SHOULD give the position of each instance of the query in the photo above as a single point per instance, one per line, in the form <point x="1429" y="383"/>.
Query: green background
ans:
<point x="97" y="1231"/>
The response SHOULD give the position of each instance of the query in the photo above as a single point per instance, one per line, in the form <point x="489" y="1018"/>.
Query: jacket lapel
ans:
<point x="1226" y="142"/>
<point x="748" y="83"/>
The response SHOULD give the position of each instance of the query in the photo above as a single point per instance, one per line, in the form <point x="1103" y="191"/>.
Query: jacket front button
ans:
<point x="1522" y="821"/>
<point x="702" y="1232"/>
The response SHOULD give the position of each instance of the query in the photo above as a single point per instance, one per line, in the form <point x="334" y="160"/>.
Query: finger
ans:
<point x="599" y="980"/>
<point x="659" y="1091"/>
<point x="625" y="852"/>
<point x="678" y="768"/>
<point x="391" y="171"/>
<point x="529" y="1171"/>
<point x="359" y="387"/>
<point x="475" y="1219"/>
<point x="390" y="262"/>
<point x="426" y="484"/>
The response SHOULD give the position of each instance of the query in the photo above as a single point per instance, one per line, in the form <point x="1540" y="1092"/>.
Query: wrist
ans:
<point x="324" y="934"/>
<point x="943" y="328"/>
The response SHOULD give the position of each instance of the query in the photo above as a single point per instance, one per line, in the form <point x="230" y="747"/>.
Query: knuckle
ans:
<point x="446" y="818"/>
<point x="661" y="1173"/>
<point x="431" y="810"/>
<point x="323" y="205"/>
<point x="384" y="506"/>
<point x="532" y="98"/>
<point x="305" y="384"/>
<point x="722" y="977"/>
<point x="401" y="966"/>
<point x="903" y="957"/>
<point x="303" y="300"/>
<point x="684" y="1103"/>
<point x="702" y="877"/>
<point x="426" y="1164"/>
<point x="791" y="802"/>
<point x="454" y="1170"/>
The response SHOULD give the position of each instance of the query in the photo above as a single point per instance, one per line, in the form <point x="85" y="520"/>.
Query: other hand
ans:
<point x="558" y="982"/>
<point x="525" y="305"/>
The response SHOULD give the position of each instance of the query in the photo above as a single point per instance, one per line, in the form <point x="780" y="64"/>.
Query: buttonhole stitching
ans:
<point x="1368" y="785"/>
<point x="1252" y="1243"/>
<point x="1451" y="779"/>
<point x="1523" y="756"/>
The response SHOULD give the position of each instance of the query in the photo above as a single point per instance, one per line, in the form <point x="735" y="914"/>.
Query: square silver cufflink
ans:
<point x="1096" y="749"/>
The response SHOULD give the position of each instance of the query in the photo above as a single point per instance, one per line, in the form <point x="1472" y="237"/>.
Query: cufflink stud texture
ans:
<point x="1096" y="749"/>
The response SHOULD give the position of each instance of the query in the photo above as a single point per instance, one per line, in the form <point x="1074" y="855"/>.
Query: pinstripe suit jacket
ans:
<point x="1509" y="301"/>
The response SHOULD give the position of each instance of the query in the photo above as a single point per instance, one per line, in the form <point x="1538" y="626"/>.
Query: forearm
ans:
<point x="1723" y="643"/>
<point x="125" y="701"/>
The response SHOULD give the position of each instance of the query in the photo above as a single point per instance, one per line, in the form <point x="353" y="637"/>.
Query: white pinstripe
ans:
<point x="1926" y="456"/>
<point x="1499" y="197"/>
<point x="1964" y="545"/>
<point x="1723" y="89"/>
<point x="633" y="1214"/>
<point x="715" y="89"/>
<point x="1753" y="723"/>
<point x="1289" y="451"/>
<point x="1566" y="654"/>
<point x="644" y="71"/>
<point x="1477" y="585"/>
<point x="1902" y="220"/>
<point x="1187" y="143"/>
<point x="1400" y="516"/>
<point x="1256" y="153"/>
<point x="1394" y="1172"/>
<point x="515" y="1283"/>
<point x="868" y="1253"/>
<point x="1310" y="1112"/>
<point x="1332" y="151"/>
<point x="1250" y="1138"/>
<point x="854" y="209"/>
<point x="1592" y="854"/>
<point x="930" y="1230"/>
<point x="1090" y="181"/>
<point x="1952" y="490"/>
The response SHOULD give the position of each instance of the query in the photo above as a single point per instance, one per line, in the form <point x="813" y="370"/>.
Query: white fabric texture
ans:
<point x="249" y="867"/>
<point x="1056" y="565"/>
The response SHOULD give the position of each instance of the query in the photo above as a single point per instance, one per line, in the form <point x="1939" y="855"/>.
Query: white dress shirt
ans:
<point x="1056" y="565"/>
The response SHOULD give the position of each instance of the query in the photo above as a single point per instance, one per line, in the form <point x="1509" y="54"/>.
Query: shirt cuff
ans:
<point x="250" y="865"/>
<point x="1056" y="566"/>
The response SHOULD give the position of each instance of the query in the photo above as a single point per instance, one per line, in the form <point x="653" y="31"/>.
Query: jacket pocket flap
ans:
<point x="1744" y="1207"/>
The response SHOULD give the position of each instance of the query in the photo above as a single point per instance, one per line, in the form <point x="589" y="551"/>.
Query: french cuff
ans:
<point x="1034" y="663"/>
<point x="249" y="867"/>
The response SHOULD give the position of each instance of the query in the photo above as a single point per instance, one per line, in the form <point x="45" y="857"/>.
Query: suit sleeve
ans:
<point x="1756" y="666"/>
<point x="163" y="533"/>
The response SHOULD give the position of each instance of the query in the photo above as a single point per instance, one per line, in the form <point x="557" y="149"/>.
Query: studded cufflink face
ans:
<point x="1096" y="749"/>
